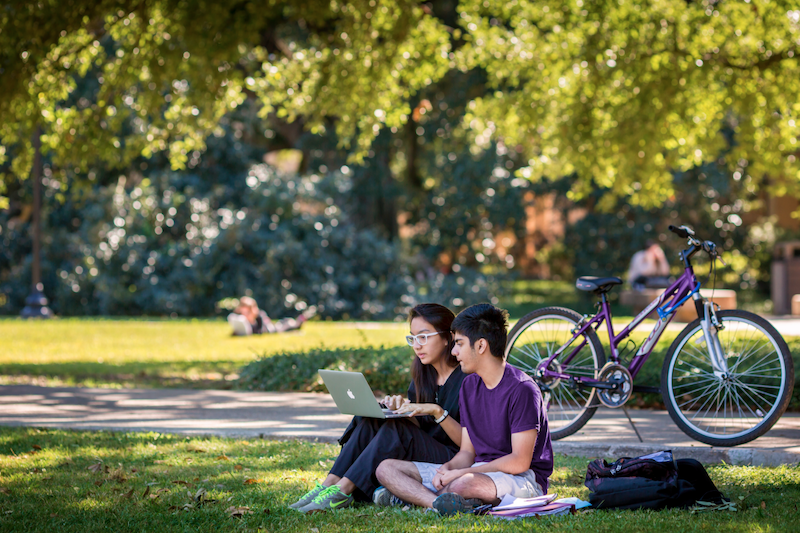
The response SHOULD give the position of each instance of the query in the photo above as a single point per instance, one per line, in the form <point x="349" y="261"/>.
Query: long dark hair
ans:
<point x="424" y="376"/>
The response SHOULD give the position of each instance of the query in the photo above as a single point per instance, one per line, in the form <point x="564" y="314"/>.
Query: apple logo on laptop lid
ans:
<point x="350" y="393"/>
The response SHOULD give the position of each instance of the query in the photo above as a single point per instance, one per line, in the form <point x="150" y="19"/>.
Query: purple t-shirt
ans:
<point x="513" y="406"/>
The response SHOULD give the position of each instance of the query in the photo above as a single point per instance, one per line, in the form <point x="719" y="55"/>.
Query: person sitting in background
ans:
<point x="248" y="319"/>
<point x="649" y="268"/>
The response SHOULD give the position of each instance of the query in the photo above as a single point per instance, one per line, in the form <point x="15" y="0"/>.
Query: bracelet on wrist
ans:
<point x="441" y="418"/>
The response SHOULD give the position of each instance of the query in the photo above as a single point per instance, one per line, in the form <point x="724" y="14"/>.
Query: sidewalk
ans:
<point x="315" y="417"/>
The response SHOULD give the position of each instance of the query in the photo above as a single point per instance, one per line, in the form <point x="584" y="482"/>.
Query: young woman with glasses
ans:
<point x="432" y="435"/>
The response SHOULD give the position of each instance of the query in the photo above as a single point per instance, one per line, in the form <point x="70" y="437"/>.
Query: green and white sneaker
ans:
<point x="309" y="496"/>
<point x="329" y="499"/>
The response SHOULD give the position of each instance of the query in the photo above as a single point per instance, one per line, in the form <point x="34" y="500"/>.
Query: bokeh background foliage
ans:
<point x="366" y="155"/>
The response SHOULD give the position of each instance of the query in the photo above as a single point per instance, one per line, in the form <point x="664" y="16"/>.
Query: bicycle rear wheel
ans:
<point x="733" y="407"/>
<point x="533" y="340"/>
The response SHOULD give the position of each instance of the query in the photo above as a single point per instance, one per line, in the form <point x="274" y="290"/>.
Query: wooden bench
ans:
<point x="638" y="300"/>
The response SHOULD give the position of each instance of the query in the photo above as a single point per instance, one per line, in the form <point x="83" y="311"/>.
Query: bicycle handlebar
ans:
<point x="709" y="247"/>
<point x="682" y="232"/>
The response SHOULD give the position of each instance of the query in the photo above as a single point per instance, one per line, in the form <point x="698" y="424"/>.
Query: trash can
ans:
<point x="785" y="276"/>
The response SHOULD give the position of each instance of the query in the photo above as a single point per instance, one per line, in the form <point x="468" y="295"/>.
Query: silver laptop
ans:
<point x="353" y="396"/>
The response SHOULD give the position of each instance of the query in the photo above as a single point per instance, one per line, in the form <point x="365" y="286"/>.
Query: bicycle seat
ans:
<point x="600" y="285"/>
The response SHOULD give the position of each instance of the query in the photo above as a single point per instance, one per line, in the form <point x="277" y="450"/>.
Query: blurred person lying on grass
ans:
<point x="432" y="435"/>
<point x="248" y="319"/>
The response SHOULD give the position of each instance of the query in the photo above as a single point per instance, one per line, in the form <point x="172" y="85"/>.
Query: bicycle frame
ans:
<point x="683" y="288"/>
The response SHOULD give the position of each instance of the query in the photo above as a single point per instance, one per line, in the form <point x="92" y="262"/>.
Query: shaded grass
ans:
<point x="54" y="489"/>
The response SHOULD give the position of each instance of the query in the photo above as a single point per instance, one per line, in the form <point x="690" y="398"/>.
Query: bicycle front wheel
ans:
<point x="533" y="340"/>
<point x="727" y="407"/>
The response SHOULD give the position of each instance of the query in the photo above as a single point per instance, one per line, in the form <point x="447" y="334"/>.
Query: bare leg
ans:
<point x="346" y="486"/>
<point x="474" y="486"/>
<point x="331" y="480"/>
<point x="403" y="480"/>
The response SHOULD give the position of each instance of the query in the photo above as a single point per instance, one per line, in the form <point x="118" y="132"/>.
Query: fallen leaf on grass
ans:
<point x="314" y="530"/>
<point x="53" y="515"/>
<point x="36" y="447"/>
<point x="134" y="470"/>
<point x="97" y="467"/>
<point x="127" y="494"/>
<point x="99" y="482"/>
<point x="184" y="507"/>
<point x="5" y="490"/>
<point x="238" y="512"/>
<point x="763" y="505"/>
<point x="146" y="492"/>
<point x="250" y="481"/>
<point x="223" y="458"/>
<point x="196" y="450"/>
<point x="156" y="494"/>
<point x="238" y="467"/>
<point x="181" y="482"/>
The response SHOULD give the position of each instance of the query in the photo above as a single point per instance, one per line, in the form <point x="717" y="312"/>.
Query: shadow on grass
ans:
<point x="148" y="374"/>
<point x="79" y="481"/>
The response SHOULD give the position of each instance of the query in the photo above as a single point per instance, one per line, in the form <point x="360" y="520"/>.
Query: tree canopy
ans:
<point x="621" y="93"/>
<point x="168" y="70"/>
<point x="617" y="94"/>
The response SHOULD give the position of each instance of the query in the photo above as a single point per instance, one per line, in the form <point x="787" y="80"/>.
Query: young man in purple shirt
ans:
<point x="505" y="443"/>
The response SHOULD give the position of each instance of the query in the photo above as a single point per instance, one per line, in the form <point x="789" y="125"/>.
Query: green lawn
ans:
<point x="162" y="353"/>
<point x="203" y="354"/>
<point x="140" y="352"/>
<point x="52" y="480"/>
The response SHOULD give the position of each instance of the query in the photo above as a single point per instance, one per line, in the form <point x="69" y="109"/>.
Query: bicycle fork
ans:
<point x="711" y="326"/>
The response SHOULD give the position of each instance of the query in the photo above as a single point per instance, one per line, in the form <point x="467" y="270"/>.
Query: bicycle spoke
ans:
<point x="708" y="389"/>
<point x="743" y="358"/>
<point x="536" y="341"/>
<point x="766" y="360"/>
<point x="755" y="392"/>
<point x="704" y="380"/>
<point x="755" y="415"/>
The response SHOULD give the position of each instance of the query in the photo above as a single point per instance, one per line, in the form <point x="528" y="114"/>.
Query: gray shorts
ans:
<point x="522" y="485"/>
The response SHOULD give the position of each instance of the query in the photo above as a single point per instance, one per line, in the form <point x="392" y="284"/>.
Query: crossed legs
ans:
<point x="403" y="479"/>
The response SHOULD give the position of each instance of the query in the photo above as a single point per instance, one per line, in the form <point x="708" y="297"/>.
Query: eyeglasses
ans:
<point x="422" y="338"/>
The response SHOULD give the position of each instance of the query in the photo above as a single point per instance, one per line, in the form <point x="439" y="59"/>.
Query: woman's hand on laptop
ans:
<point x="394" y="402"/>
<point x="419" y="409"/>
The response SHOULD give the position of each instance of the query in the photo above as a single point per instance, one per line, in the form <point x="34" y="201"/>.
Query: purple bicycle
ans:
<point x="727" y="377"/>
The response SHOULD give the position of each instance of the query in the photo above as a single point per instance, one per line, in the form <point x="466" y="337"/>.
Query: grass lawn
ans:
<point x="203" y="354"/>
<point x="159" y="353"/>
<point x="165" y="353"/>
<point x="52" y="480"/>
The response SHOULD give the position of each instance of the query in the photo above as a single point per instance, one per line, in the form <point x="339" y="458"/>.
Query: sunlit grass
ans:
<point x="160" y="352"/>
<point x="105" y="481"/>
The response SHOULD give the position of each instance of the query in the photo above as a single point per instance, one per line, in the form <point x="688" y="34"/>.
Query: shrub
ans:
<point x="388" y="370"/>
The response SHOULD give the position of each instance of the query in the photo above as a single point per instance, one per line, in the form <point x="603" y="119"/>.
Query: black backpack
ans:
<point x="654" y="481"/>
